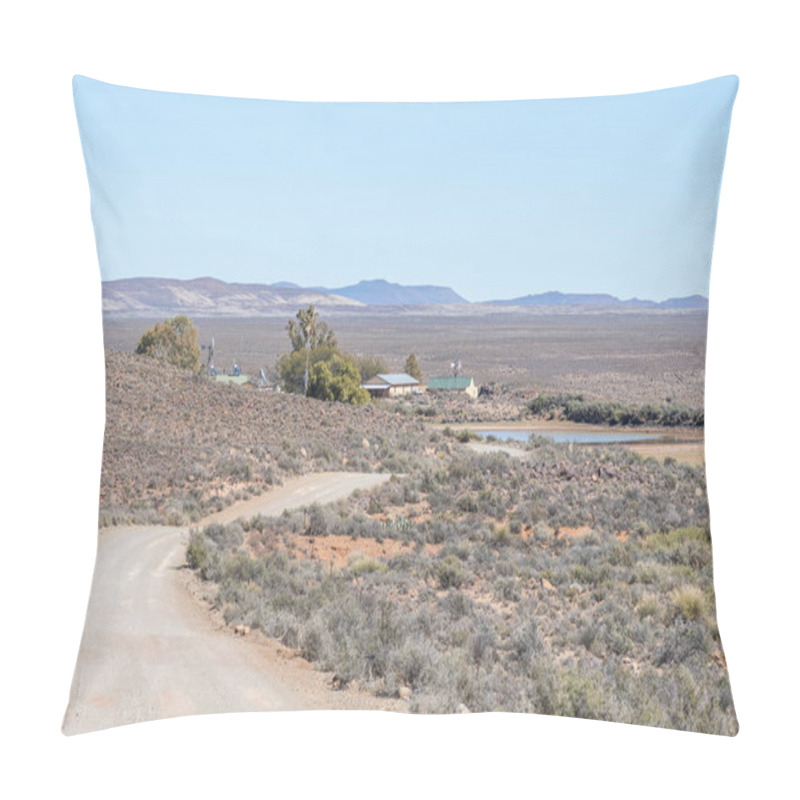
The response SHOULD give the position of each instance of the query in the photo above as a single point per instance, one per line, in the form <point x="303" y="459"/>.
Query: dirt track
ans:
<point x="150" y="650"/>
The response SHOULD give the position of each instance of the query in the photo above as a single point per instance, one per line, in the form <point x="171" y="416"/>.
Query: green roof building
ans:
<point x="454" y="384"/>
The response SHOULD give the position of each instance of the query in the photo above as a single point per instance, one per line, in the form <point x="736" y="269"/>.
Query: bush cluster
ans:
<point x="576" y="409"/>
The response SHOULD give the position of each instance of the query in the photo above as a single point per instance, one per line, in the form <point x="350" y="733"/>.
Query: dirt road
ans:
<point x="149" y="648"/>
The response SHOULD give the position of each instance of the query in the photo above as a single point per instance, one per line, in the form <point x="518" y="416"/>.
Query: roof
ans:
<point x="391" y="379"/>
<point x="462" y="382"/>
<point x="398" y="379"/>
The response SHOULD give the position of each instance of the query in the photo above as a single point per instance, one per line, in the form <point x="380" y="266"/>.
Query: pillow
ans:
<point x="404" y="407"/>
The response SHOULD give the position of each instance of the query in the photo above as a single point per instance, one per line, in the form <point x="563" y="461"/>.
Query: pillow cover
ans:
<point x="411" y="394"/>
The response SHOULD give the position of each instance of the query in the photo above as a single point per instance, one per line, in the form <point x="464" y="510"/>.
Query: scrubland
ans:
<point x="178" y="446"/>
<point x="574" y="582"/>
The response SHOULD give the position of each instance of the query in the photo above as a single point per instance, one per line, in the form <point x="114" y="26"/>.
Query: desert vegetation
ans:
<point x="574" y="582"/>
<point x="576" y="408"/>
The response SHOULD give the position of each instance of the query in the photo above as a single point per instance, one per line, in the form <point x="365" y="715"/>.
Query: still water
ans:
<point x="577" y="437"/>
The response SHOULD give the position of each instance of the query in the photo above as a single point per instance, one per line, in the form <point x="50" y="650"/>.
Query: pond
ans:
<point x="576" y="437"/>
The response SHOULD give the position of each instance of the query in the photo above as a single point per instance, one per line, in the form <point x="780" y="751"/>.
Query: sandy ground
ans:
<point x="693" y="453"/>
<point x="151" y="650"/>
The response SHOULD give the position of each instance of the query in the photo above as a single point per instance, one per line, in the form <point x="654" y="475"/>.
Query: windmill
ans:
<point x="235" y="370"/>
<point x="210" y="360"/>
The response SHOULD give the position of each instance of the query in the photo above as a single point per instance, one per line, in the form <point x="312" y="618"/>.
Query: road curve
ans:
<point x="150" y="651"/>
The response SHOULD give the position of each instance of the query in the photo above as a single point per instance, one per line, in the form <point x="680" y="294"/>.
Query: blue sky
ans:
<point x="495" y="199"/>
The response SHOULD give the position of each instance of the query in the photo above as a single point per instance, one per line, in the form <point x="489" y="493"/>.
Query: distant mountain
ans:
<point x="560" y="299"/>
<point x="692" y="301"/>
<point x="600" y="300"/>
<point x="209" y="297"/>
<point x="383" y="293"/>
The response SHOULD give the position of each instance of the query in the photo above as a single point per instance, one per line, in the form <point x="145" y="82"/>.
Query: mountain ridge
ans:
<point x="694" y="301"/>
<point x="208" y="296"/>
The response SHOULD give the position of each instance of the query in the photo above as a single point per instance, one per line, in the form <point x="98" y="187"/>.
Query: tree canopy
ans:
<point x="307" y="330"/>
<point x="338" y="378"/>
<point x="412" y="367"/>
<point x="173" y="341"/>
<point x="315" y="366"/>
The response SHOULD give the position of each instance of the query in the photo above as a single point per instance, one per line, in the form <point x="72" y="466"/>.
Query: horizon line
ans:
<point x="325" y="290"/>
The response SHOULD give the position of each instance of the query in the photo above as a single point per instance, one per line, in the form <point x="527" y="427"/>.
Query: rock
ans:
<point x="462" y="709"/>
<point x="365" y="443"/>
<point x="404" y="693"/>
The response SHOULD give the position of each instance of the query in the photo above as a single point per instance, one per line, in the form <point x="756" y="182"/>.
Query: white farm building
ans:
<point x="392" y="385"/>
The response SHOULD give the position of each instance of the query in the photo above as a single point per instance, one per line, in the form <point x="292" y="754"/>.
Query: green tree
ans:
<point x="316" y="367"/>
<point x="306" y="334"/>
<point x="292" y="367"/>
<point x="338" y="378"/>
<point x="412" y="367"/>
<point x="173" y="341"/>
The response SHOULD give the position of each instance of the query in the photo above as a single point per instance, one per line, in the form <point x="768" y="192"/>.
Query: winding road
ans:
<point x="150" y="650"/>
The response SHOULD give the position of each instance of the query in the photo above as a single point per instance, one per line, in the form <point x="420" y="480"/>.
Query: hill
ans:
<point x="210" y="297"/>
<point x="178" y="445"/>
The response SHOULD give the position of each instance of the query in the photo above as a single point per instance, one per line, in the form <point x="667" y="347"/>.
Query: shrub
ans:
<point x="648" y="606"/>
<point x="317" y="521"/>
<point x="449" y="573"/>
<point x="360" y="565"/>
<point x="689" y="603"/>
<point x="197" y="554"/>
<point x="683" y="641"/>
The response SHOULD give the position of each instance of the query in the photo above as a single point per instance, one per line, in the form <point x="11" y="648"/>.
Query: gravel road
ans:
<point x="150" y="650"/>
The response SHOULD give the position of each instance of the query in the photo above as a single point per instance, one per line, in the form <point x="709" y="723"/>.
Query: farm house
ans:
<point x="392" y="385"/>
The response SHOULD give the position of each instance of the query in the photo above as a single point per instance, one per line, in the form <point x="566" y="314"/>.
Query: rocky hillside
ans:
<point x="178" y="445"/>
